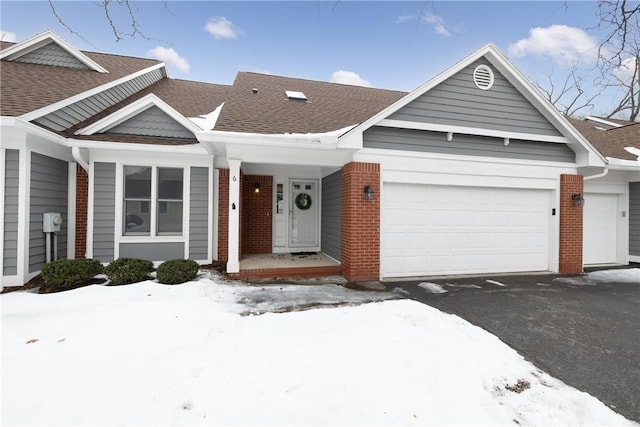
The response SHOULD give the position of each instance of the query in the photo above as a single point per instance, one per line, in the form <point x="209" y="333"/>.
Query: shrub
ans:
<point x="177" y="271"/>
<point x="128" y="270"/>
<point x="70" y="273"/>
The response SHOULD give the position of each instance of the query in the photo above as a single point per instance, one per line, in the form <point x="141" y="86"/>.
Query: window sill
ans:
<point x="149" y="239"/>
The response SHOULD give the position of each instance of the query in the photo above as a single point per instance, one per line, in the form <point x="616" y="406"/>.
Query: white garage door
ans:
<point x="600" y="233"/>
<point x="433" y="230"/>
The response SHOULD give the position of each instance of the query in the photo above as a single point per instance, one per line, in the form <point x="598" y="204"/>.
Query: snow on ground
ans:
<point x="434" y="288"/>
<point x="495" y="282"/>
<point x="628" y="275"/>
<point x="151" y="354"/>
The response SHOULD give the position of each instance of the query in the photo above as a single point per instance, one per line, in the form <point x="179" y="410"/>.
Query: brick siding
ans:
<point x="360" y="222"/>
<point x="570" y="225"/>
<point x="223" y="214"/>
<point x="82" y="201"/>
<point x="257" y="214"/>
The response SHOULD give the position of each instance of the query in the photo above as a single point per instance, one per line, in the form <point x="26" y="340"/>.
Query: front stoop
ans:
<point x="282" y="273"/>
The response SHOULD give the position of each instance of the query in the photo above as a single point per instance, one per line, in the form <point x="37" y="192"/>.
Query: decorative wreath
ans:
<point x="303" y="201"/>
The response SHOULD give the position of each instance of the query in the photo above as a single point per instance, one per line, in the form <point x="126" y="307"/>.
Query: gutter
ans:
<point x="77" y="156"/>
<point x="604" y="172"/>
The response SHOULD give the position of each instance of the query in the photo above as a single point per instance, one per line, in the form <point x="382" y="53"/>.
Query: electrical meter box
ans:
<point x="51" y="222"/>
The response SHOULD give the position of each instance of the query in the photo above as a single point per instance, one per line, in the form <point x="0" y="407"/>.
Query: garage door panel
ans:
<point x="459" y="230"/>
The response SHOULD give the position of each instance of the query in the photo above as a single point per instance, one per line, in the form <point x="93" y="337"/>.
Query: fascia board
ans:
<point x="127" y="146"/>
<point x="30" y="128"/>
<point x="36" y="114"/>
<point x="515" y="77"/>
<point x="133" y="109"/>
<point x="42" y="39"/>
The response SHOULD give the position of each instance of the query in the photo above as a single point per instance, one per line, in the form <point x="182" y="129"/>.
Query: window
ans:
<point x="152" y="201"/>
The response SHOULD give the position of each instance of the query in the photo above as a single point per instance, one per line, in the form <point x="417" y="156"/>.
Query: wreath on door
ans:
<point x="303" y="201"/>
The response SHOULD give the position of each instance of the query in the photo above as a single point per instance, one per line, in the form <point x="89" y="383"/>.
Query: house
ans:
<point x="472" y="172"/>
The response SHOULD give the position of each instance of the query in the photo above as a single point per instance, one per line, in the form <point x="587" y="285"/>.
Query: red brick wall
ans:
<point x="257" y="214"/>
<point x="570" y="225"/>
<point x="223" y="214"/>
<point x="360" y="222"/>
<point x="82" y="200"/>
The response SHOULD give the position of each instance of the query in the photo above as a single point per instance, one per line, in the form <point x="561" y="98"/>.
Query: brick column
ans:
<point x="570" y="224"/>
<point x="223" y="214"/>
<point x="360" y="222"/>
<point x="82" y="200"/>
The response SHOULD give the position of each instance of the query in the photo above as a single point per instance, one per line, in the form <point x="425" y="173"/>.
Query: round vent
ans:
<point x="483" y="77"/>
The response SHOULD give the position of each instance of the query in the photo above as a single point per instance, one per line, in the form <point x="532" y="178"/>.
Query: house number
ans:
<point x="234" y="178"/>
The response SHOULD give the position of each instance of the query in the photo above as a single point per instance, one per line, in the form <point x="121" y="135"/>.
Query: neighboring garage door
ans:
<point x="600" y="228"/>
<point x="434" y="230"/>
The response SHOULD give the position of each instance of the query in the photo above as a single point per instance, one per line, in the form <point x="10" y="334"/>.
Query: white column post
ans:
<point x="233" y="262"/>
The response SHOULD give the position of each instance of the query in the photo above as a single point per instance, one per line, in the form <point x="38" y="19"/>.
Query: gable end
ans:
<point x="52" y="54"/>
<point x="458" y="101"/>
<point x="152" y="122"/>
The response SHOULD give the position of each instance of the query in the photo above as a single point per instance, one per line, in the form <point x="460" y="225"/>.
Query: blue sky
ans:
<point x="391" y="45"/>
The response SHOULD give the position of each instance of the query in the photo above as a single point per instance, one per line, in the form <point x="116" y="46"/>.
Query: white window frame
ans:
<point x="153" y="208"/>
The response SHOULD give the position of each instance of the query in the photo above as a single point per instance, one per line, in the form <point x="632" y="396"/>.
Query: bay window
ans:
<point x="153" y="201"/>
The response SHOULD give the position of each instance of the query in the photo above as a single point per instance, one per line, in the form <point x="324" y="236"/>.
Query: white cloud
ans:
<point x="437" y="22"/>
<point x="349" y="78"/>
<point x="7" y="36"/>
<point x="625" y="71"/>
<point x="404" y="18"/>
<point x="221" y="28"/>
<point x="565" y="45"/>
<point x="169" y="56"/>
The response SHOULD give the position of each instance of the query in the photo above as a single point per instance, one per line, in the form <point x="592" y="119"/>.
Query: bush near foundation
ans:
<point x="128" y="270"/>
<point x="66" y="274"/>
<point x="177" y="271"/>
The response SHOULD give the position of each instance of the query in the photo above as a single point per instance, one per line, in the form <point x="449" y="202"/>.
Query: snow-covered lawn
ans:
<point x="200" y="354"/>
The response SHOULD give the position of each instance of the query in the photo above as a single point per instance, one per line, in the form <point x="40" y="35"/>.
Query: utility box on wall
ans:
<point x="51" y="222"/>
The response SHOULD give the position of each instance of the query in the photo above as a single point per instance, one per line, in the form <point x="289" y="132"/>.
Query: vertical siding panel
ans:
<point x="104" y="211"/>
<point x="11" y="181"/>
<point x="330" y="216"/>
<point x="199" y="214"/>
<point x="48" y="193"/>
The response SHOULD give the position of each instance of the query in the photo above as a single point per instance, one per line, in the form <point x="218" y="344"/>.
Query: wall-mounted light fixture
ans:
<point x="256" y="187"/>
<point x="368" y="192"/>
<point x="577" y="199"/>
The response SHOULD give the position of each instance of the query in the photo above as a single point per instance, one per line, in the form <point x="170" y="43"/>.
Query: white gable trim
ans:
<point x="587" y="154"/>
<point x="36" y="114"/>
<point x="403" y="124"/>
<point x="602" y="121"/>
<point x="36" y="42"/>
<point x="133" y="110"/>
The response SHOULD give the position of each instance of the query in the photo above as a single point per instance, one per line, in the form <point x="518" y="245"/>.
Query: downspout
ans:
<point x="77" y="156"/>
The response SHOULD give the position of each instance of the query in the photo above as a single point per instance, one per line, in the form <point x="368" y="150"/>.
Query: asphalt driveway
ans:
<point x="585" y="333"/>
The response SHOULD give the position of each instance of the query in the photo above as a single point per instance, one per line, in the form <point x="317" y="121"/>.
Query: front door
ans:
<point x="303" y="213"/>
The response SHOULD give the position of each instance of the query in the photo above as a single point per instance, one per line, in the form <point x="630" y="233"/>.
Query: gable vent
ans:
<point x="483" y="77"/>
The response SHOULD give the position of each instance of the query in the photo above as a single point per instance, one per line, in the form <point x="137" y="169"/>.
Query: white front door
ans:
<point x="303" y="213"/>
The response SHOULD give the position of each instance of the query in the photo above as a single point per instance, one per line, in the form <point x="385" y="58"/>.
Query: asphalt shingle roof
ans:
<point x="610" y="142"/>
<point x="28" y="87"/>
<point x="329" y="106"/>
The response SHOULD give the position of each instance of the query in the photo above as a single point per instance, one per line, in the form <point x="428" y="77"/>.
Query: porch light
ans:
<point x="256" y="187"/>
<point x="577" y="199"/>
<point x="368" y="192"/>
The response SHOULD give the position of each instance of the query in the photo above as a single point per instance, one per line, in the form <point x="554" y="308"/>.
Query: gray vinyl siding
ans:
<point x="459" y="102"/>
<point x="52" y="54"/>
<point x="153" y="122"/>
<point x="634" y="218"/>
<point x="152" y="251"/>
<point x="468" y="145"/>
<point x="11" y="177"/>
<point x="71" y="115"/>
<point x="199" y="214"/>
<point x="330" y="217"/>
<point x="104" y="210"/>
<point x="48" y="193"/>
